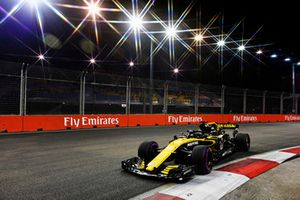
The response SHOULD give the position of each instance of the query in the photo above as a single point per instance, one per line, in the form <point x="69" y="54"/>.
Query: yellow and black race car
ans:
<point x="191" y="153"/>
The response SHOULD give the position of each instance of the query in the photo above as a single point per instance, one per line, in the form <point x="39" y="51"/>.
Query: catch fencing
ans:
<point x="46" y="90"/>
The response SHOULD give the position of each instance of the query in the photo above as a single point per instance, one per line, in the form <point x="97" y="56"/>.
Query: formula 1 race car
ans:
<point x="191" y="153"/>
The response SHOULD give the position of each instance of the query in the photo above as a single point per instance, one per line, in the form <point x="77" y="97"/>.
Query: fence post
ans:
<point x="245" y="101"/>
<point x="151" y="80"/>
<point x="196" y="99"/>
<point x="144" y="100"/>
<point x="281" y="103"/>
<point x="166" y="94"/>
<point x="296" y="104"/>
<point x="23" y="89"/>
<point x="223" y="99"/>
<point x="264" y="102"/>
<point x="128" y="95"/>
<point x="82" y="93"/>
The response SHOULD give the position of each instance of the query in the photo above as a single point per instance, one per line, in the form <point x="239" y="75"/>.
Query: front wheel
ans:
<point x="242" y="141"/>
<point x="148" y="150"/>
<point x="202" y="159"/>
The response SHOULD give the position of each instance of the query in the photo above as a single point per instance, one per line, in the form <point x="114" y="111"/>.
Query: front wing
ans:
<point x="132" y="165"/>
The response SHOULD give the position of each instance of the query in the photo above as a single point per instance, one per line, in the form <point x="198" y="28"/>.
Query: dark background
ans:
<point x="280" y="32"/>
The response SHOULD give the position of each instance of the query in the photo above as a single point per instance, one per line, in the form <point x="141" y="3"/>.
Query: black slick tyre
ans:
<point x="202" y="159"/>
<point x="147" y="150"/>
<point x="242" y="142"/>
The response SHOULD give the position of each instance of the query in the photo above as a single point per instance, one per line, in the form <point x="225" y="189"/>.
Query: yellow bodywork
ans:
<point x="223" y="126"/>
<point x="172" y="147"/>
<point x="168" y="168"/>
<point x="141" y="165"/>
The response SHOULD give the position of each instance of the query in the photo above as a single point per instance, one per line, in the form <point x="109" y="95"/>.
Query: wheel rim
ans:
<point x="221" y="146"/>
<point x="209" y="160"/>
<point x="248" y="142"/>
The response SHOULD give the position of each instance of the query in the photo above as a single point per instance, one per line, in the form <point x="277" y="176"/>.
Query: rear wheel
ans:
<point x="148" y="150"/>
<point x="202" y="159"/>
<point x="242" y="141"/>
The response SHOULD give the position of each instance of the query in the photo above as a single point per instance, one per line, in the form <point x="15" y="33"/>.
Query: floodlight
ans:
<point x="273" y="56"/>
<point x="221" y="43"/>
<point x="176" y="70"/>
<point x="171" y="32"/>
<point x="93" y="8"/>
<point x="198" y="37"/>
<point x="298" y="63"/>
<point x="241" y="48"/>
<point x="136" y="22"/>
<point x="33" y="2"/>
<point x="287" y="59"/>
<point x="131" y="64"/>
<point x="41" y="57"/>
<point x="92" y="61"/>
<point x="259" y="52"/>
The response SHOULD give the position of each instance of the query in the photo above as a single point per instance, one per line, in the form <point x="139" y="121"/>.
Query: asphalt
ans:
<point x="86" y="164"/>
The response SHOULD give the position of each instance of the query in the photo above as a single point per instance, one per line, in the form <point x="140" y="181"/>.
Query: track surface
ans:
<point x="86" y="164"/>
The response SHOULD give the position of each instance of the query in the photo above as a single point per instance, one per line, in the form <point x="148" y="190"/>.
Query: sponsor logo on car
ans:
<point x="192" y="143"/>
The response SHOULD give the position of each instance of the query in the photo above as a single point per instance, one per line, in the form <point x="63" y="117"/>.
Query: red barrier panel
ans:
<point x="11" y="124"/>
<point x="60" y="122"/>
<point x="147" y="120"/>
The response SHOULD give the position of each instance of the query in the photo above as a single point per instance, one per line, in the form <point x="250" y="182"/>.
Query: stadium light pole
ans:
<point x="171" y="33"/>
<point x="294" y="65"/>
<point x="288" y="59"/>
<point x="221" y="43"/>
<point x="23" y="89"/>
<point x="131" y="66"/>
<point x="151" y="78"/>
<point x="241" y="49"/>
<point x="198" y="39"/>
<point x="136" y="23"/>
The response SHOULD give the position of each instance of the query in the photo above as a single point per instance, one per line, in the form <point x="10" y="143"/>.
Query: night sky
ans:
<point x="279" y="34"/>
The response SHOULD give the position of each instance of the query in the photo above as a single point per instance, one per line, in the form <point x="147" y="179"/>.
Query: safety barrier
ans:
<point x="63" y="122"/>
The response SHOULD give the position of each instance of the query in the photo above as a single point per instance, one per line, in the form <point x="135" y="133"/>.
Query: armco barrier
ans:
<point x="62" y="122"/>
